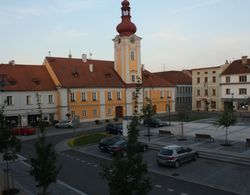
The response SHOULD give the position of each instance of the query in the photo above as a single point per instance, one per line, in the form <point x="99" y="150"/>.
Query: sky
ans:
<point x="176" y="34"/>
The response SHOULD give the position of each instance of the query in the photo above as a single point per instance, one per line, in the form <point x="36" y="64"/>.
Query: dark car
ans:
<point x="114" y="128"/>
<point x="107" y="141"/>
<point x="24" y="130"/>
<point x="120" y="147"/>
<point x="174" y="155"/>
<point x="156" y="122"/>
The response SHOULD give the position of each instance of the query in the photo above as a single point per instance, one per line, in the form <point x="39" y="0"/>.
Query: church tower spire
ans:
<point x="127" y="47"/>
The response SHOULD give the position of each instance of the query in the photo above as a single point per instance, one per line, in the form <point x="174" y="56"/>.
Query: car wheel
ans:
<point x="195" y="158"/>
<point x="177" y="164"/>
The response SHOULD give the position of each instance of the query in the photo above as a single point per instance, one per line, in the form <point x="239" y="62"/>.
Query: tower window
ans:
<point x="132" y="55"/>
<point x="133" y="78"/>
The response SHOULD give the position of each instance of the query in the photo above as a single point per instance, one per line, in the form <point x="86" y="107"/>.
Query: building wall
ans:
<point x="183" y="97"/>
<point x="203" y="101"/>
<point x="22" y="110"/>
<point x="230" y="92"/>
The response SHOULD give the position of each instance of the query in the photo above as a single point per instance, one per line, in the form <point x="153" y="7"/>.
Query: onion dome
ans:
<point x="126" y="27"/>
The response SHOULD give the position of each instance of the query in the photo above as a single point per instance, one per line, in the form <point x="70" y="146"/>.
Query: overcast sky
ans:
<point x="177" y="34"/>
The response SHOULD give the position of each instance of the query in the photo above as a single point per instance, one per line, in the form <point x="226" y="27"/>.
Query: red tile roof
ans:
<point x="236" y="67"/>
<point x="153" y="80"/>
<point x="74" y="73"/>
<point x="176" y="77"/>
<point x="25" y="78"/>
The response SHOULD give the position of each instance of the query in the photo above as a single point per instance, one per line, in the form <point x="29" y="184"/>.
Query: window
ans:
<point x="72" y="97"/>
<point x="94" y="112"/>
<point x="109" y="112"/>
<point x="39" y="99"/>
<point x="109" y="95"/>
<point x="177" y="99"/>
<point x="132" y="55"/>
<point x="73" y="113"/>
<point x="214" y="72"/>
<point x="133" y="78"/>
<point x="84" y="113"/>
<point x="206" y="92"/>
<point x="198" y="92"/>
<point x="9" y="101"/>
<point x="243" y="79"/>
<point x="94" y="97"/>
<point x="205" y="72"/>
<point x="214" y="79"/>
<point x="213" y="104"/>
<point x="84" y="96"/>
<point x="205" y="79"/>
<point x="242" y="91"/>
<point x="51" y="99"/>
<point x="119" y="95"/>
<point x="162" y="94"/>
<point x="214" y="92"/>
<point x="227" y="79"/>
<point x="198" y="72"/>
<point x="198" y="104"/>
<point x="228" y="92"/>
<point x="198" y="80"/>
<point x="28" y="99"/>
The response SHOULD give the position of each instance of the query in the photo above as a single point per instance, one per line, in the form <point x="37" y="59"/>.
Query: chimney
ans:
<point x="91" y="67"/>
<point x="84" y="58"/>
<point x="12" y="62"/>
<point x="244" y="60"/>
<point x="143" y="67"/>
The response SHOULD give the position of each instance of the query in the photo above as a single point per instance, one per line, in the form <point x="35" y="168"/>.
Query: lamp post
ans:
<point x="232" y="94"/>
<point x="168" y="98"/>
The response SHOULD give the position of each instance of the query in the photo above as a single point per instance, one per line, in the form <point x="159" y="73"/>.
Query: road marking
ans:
<point x="158" y="186"/>
<point x="95" y="165"/>
<point x="170" y="190"/>
<point x="77" y="159"/>
<point x="89" y="163"/>
<point x="83" y="161"/>
<point x="70" y="187"/>
<point x="184" y="193"/>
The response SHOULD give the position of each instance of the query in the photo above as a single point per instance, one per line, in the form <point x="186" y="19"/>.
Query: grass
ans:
<point x="86" y="139"/>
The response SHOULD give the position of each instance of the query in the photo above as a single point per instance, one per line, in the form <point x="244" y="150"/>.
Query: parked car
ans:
<point x="174" y="155"/>
<point x="107" y="141"/>
<point x="155" y="122"/>
<point x="120" y="147"/>
<point x="64" y="124"/>
<point x="114" y="128"/>
<point x="24" y="130"/>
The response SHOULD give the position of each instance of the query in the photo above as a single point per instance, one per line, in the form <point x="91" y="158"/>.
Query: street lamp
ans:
<point x="232" y="94"/>
<point x="168" y="98"/>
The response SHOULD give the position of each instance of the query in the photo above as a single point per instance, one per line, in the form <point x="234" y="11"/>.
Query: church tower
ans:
<point x="127" y="48"/>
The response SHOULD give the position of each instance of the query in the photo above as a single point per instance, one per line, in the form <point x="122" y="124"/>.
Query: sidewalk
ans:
<point x="214" y="150"/>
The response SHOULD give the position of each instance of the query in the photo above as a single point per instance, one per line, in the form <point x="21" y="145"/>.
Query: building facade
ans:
<point x="235" y="85"/>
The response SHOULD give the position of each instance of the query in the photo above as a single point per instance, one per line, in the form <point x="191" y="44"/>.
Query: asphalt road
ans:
<point x="81" y="171"/>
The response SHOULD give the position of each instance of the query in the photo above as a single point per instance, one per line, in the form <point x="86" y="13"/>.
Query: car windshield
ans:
<point x="166" y="152"/>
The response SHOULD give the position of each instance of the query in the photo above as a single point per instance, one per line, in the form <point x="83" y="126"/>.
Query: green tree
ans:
<point x="127" y="176"/>
<point x="226" y="120"/>
<point x="43" y="166"/>
<point x="148" y="112"/>
<point x="9" y="144"/>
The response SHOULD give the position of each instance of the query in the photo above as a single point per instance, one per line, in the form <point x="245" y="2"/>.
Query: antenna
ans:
<point x="90" y="56"/>
<point x="49" y="52"/>
<point x="70" y="55"/>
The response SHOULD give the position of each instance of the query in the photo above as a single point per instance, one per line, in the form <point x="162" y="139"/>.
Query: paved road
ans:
<point x="83" y="167"/>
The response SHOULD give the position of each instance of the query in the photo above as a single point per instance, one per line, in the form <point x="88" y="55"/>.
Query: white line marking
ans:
<point x="158" y="186"/>
<point x="89" y="163"/>
<point x="184" y="193"/>
<point x="83" y="161"/>
<point x="70" y="187"/>
<point x="77" y="159"/>
<point x="95" y="165"/>
<point x="170" y="190"/>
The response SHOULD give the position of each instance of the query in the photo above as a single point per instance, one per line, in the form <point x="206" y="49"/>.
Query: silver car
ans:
<point x="174" y="155"/>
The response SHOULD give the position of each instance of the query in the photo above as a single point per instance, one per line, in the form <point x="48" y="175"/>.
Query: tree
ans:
<point x="9" y="144"/>
<point x="226" y="120"/>
<point x="126" y="176"/>
<point x="148" y="112"/>
<point x="44" y="168"/>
